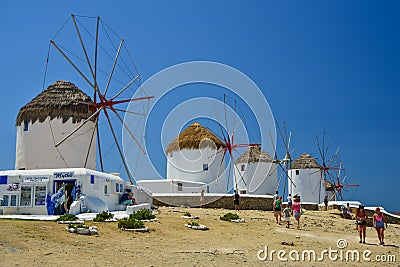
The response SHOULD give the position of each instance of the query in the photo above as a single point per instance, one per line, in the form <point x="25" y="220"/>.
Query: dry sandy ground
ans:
<point x="170" y="243"/>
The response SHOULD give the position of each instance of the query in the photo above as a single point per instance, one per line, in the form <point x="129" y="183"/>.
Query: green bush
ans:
<point x="130" y="223"/>
<point x="193" y="223"/>
<point x="143" y="214"/>
<point x="187" y="214"/>
<point x="102" y="216"/>
<point x="230" y="216"/>
<point x="75" y="226"/>
<point x="67" y="217"/>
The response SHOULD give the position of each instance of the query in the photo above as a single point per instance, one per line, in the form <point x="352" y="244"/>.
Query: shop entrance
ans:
<point x="69" y="186"/>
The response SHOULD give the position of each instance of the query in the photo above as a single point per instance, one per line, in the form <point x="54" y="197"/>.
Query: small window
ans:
<point x="9" y="200"/>
<point x="118" y="188"/>
<point x="13" y="201"/>
<point x="205" y="167"/>
<point x="26" y="196"/>
<point x="297" y="172"/>
<point x="26" y="126"/>
<point x="92" y="179"/>
<point x="3" y="179"/>
<point x="242" y="167"/>
<point x="40" y="195"/>
<point x="106" y="190"/>
<point x="179" y="186"/>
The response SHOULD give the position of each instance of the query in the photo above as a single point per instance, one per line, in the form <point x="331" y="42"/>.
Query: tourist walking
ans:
<point x="326" y="202"/>
<point x="379" y="224"/>
<point x="286" y="213"/>
<point x="236" y="198"/>
<point x="278" y="209"/>
<point x="273" y="203"/>
<point x="297" y="211"/>
<point x="361" y="217"/>
<point x="289" y="201"/>
<point x="202" y="198"/>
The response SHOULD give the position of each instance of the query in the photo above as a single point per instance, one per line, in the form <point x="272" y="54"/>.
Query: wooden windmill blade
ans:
<point x="102" y="104"/>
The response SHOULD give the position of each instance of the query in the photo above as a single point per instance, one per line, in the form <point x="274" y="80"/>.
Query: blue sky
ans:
<point x="322" y="65"/>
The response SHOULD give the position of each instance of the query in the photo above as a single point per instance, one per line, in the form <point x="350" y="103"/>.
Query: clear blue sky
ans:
<point x="322" y="65"/>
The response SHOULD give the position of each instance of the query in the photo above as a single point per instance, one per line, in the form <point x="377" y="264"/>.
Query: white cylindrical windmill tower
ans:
<point x="46" y="120"/>
<point x="308" y="180"/>
<point x="255" y="172"/>
<point x="196" y="155"/>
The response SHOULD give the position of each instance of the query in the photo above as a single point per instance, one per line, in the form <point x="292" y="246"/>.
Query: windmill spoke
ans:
<point x="218" y="152"/>
<point x="281" y="134"/>
<point x="73" y="65"/>
<point x="77" y="128"/>
<point x="319" y="149"/>
<point x="323" y="147"/>
<point x="283" y="169"/>
<point x="226" y="119"/>
<point x="279" y="181"/>
<point x="95" y="63"/>
<point x="113" y="67"/>
<point x="126" y="87"/>
<point x="118" y="147"/>
<point x="290" y="137"/>
<point x="90" y="143"/>
<point x="234" y="121"/>
<point x="131" y="112"/>
<point x="99" y="147"/>
<point x="129" y="131"/>
<point x="219" y="124"/>
<point x="274" y="147"/>
<point x="83" y="45"/>
<point x="229" y="175"/>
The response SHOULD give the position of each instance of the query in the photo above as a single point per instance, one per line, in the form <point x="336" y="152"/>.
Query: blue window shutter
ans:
<point x="3" y="179"/>
<point x="92" y="179"/>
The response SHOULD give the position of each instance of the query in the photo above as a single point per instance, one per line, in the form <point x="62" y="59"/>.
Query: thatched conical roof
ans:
<point x="253" y="155"/>
<point x="60" y="100"/>
<point x="194" y="137"/>
<point x="305" y="161"/>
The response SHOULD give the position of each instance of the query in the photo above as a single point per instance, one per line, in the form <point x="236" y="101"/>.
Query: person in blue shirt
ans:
<point x="127" y="198"/>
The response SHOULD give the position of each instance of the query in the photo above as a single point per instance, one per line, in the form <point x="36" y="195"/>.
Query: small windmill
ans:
<point x="285" y="163"/>
<point x="340" y="184"/>
<point x="230" y="146"/>
<point x="331" y="165"/>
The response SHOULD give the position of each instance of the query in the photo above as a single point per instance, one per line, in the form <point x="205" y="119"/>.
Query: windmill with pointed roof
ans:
<point x="48" y="117"/>
<point x="305" y="173"/>
<point x="195" y="161"/>
<point x="259" y="175"/>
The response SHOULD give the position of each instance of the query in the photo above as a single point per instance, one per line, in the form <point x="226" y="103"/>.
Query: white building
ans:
<point x="195" y="161"/>
<point x="55" y="180"/>
<point x="308" y="179"/>
<point x="46" y="120"/>
<point x="255" y="172"/>
<point x="29" y="191"/>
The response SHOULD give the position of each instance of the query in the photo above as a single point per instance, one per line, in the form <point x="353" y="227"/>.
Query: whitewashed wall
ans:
<point x="308" y="185"/>
<point x="258" y="178"/>
<point x="187" y="165"/>
<point x="35" y="148"/>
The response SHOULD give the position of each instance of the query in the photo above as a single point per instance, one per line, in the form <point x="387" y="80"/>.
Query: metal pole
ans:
<point x="113" y="68"/>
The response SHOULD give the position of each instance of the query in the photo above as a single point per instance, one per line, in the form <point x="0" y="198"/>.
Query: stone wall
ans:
<point x="226" y="202"/>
